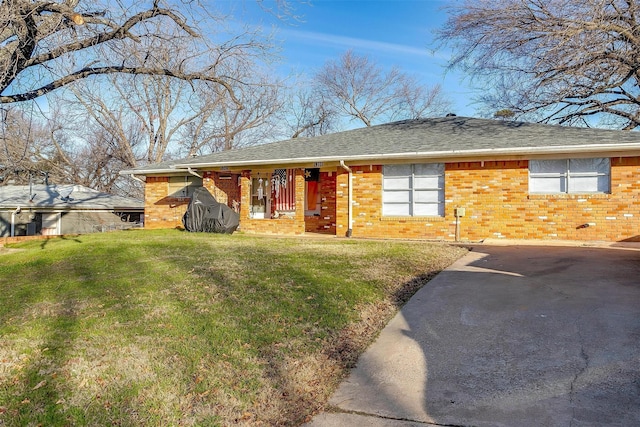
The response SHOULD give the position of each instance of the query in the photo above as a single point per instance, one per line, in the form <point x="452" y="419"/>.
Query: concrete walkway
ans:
<point x="507" y="336"/>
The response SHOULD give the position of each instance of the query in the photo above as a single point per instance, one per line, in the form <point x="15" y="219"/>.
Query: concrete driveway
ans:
<point x="507" y="336"/>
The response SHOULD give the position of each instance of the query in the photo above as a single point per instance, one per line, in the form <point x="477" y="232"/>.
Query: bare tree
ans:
<point x="416" y="100"/>
<point x="132" y="125"/>
<point x="16" y="139"/>
<point x="564" y="60"/>
<point x="37" y="147"/>
<point x="32" y="148"/>
<point x="40" y="38"/>
<point x="99" y="160"/>
<point x="19" y="135"/>
<point x="149" y="119"/>
<point x="161" y="71"/>
<point x="224" y="126"/>
<point x="359" y="88"/>
<point x="90" y="154"/>
<point x="180" y="118"/>
<point x="308" y="113"/>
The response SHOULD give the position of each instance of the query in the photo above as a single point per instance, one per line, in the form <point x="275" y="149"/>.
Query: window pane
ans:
<point x="548" y="166"/>
<point x="258" y="197"/>
<point x="429" y="209"/>
<point x="583" y="184"/>
<point x="396" y="197"/>
<point x="395" y="209"/>
<point x="425" y="196"/>
<point x="396" y="170"/>
<point x="589" y="184"/>
<point x="429" y="182"/>
<point x="547" y="185"/>
<point x="428" y="169"/>
<point x="393" y="183"/>
<point x="598" y="165"/>
<point x="589" y="175"/>
<point x="604" y="184"/>
<point x="417" y="186"/>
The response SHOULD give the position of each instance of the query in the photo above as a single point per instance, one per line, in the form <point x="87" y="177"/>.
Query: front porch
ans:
<point x="288" y="201"/>
<point x="277" y="201"/>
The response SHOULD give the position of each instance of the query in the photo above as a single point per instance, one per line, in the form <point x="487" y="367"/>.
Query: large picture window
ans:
<point x="569" y="176"/>
<point x="413" y="190"/>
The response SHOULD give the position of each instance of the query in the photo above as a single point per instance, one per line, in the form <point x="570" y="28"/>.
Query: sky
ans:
<point x="390" y="32"/>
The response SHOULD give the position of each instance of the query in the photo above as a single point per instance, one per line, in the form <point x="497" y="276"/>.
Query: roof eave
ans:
<point x="449" y="154"/>
<point x="146" y="171"/>
<point x="128" y="208"/>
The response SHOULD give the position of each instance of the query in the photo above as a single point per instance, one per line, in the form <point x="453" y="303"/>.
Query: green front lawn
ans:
<point x="172" y="328"/>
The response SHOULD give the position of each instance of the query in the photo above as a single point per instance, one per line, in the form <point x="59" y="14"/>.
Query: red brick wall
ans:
<point x="326" y="222"/>
<point x="498" y="205"/>
<point x="342" y="197"/>
<point x="367" y="211"/>
<point x="160" y="210"/>
<point x="225" y="191"/>
<point x="494" y="194"/>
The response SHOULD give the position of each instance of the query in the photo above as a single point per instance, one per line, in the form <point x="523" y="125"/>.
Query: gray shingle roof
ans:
<point x="447" y="137"/>
<point x="63" y="197"/>
<point x="168" y="165"/>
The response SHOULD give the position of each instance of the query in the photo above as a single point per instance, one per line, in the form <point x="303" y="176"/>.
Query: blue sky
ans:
<point x="390" y="32"/>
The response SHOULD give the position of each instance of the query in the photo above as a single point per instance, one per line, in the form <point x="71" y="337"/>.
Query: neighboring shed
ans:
<point x="39" y="209"/>
<point x="450" y="178"/>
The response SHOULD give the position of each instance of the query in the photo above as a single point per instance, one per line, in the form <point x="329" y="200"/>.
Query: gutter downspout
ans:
<point x="13" y="220"/>
<point x="350" y="207"/>
<point x="193" y="173"/>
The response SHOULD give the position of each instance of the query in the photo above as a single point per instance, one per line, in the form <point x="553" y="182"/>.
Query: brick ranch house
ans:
<point x="445" y="178"/>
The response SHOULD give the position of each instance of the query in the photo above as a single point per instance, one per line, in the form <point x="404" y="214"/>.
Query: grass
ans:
<point x="171" y="328"/>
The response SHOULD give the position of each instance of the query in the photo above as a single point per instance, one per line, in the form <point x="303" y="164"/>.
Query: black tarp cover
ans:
<point x="205" y="214"/>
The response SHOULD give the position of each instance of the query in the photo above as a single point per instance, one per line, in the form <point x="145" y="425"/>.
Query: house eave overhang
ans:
<point x="453" y="155"/>
<point x="127" y="209"/>
<point x="147" y="171"/>
<point x="79" y="208"/>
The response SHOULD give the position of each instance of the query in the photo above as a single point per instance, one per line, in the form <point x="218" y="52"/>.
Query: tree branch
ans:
<point x="86" y="72"/>
<point x="119" y="32"/>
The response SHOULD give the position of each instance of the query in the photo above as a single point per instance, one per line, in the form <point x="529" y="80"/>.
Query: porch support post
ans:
<point x="245" y="195"/>
<point x="300" y="206"/>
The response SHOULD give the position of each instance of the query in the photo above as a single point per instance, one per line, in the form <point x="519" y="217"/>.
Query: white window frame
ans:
<point x="568" y="175"/>
<point x="414" y="190"/>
